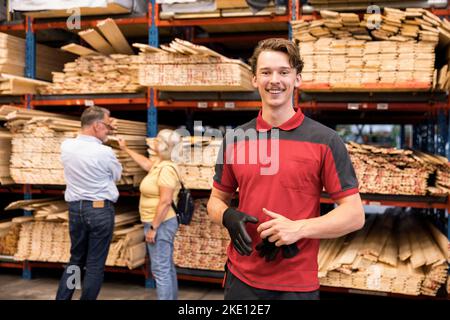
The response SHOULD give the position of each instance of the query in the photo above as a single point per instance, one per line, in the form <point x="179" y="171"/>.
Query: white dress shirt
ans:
<point x="90" y="169"/>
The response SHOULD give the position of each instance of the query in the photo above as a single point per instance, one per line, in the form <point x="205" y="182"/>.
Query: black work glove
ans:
<point x="269" y="250"/>
<point x="235" y="221"/>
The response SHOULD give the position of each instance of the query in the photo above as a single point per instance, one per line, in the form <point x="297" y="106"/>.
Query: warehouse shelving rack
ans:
<point x="426" y="104"/>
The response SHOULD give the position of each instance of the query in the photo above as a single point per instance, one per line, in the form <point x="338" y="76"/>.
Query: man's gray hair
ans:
<point x="93" y="114"/>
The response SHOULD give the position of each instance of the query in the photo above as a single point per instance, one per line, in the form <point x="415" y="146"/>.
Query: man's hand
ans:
<point x="122" y="144"/>
<point x="235" y="221"/>
<point x="280" y="230"/>
<point x="269" y="251"/>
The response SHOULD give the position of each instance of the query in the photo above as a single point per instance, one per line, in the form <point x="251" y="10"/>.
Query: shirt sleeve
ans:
<point x="168" y="177"/>
<point x="338" y="175"/>
<point x="114" y="166"/>
<point x="224" y="178"/>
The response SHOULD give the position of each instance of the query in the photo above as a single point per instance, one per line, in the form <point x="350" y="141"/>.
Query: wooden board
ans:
<point x="112" y="33"/>
<point x="78" y="50"/>
<point x="111" y="8"/>
<point x="96" y="41"/>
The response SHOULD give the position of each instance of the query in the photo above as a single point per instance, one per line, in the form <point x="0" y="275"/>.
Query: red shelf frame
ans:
<point x="113" y="103"/>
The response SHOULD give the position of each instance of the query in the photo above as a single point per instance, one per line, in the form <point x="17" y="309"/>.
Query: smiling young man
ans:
<point x="275" y="231"/>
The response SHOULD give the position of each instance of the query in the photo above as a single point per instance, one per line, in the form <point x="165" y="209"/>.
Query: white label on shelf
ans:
<point x="353" y="106"/>
<point x="374" y="203"/>
<point x="89" y="103"/>
<point x="229" y="105"/>
<point x="382" y="106"/>
<point x="202" y="105"/>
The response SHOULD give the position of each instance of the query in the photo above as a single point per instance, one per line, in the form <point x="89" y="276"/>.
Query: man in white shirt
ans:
<point x="90" y="171"/>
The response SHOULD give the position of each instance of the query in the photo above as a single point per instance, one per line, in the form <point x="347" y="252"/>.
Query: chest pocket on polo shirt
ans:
<point x="301" y="174"/>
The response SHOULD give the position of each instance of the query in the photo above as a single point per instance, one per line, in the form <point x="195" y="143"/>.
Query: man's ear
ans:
<point x="254" y="82"/>
<point x="298" y="80"/>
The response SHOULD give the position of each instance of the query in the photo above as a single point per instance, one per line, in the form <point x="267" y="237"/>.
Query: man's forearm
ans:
<point x="338" y="222"/>
<point x="215" y="208"/>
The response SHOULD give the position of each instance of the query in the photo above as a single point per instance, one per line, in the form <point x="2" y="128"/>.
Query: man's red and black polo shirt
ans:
<point x="283" y="171"/>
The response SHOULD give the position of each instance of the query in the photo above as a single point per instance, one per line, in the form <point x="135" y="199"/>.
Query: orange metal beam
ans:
<point x="221" y="21"/>
<point x="167" y="104"/>
<point x="88" y="23"/>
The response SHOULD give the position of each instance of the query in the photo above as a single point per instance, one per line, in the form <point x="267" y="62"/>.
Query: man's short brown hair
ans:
<point x="93" y="114"/>
<point x="281" y="45"/>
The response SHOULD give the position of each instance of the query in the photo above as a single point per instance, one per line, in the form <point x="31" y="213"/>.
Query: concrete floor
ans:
<point x="44" y="284"/>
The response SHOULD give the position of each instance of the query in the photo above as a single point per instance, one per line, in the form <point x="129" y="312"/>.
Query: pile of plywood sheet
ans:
<point x="397" y="171"/>
<point x="196" y="159"/>
<point x="201" y="244"/>
<point x="37" y="137"/>
<point x="394" y="252"/>
<point x="5" y="155"/>
<point x="200" y="9"/>
<point x="45" y="236"/>
<point x="183" y="66"/>
<point x="12" y="58"/>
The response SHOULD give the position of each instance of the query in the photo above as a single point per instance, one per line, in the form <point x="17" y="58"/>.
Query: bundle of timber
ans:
<point x="15" y="85"/>
<point x="109" y="66"/>
<point x="199" y="9"/>
<point x="196" y="159"/>
<point x="12" y="58"/>
<point x="395" y="252"/>
<point x="400" y="172"/>
<point x="205" y="242"/>
<point x="357" y="5"/>
<point x="5" y="155"/>
<point x="341" y="52"/>
<point x="9" y="235"/>
<point x="45" y="236"/>
<point x="116" y="73"/>
<point x="37" y="137"/>
<point x="183" y="66"/>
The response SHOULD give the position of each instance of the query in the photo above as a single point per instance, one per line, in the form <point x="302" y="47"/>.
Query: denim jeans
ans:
<point x="161" y="259"/>
<point x="91" y="231"/>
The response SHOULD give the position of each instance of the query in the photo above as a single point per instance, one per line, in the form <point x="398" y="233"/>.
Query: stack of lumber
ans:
<point x="15" y="85"/>
<point x="12" y="58"/>
<point x="394" y="252"/>
<point x="183" y="66"/>
<point x="107" y="66"/>
<point x="9" y="235"/>
<point x="412" y="24"/>
<point x="399" y="172"/>
<point x="116" y="73"/>
<point x="196" y="161"/>
<point x="358" y="5"/>
<point x="214" y="9"/>
<point x="37" y="137"/>
<point x="5" y="155"/>
<point x="201" y="244"/>
<point x="45" y="236"/>
<point x="341" y="52"/>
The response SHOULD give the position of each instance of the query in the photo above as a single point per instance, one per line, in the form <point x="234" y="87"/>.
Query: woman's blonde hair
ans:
<point x="168" y="139"/>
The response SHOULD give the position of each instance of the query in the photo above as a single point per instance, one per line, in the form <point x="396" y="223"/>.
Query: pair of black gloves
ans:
<point x="235" y="221"/>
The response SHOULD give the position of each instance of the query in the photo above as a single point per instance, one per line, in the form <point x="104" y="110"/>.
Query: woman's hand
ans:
<point x="122" y="144"/>
<point x="150" y="236"/>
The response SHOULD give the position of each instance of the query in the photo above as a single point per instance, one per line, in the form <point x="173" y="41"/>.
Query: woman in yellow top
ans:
<point x="158" y="189"/>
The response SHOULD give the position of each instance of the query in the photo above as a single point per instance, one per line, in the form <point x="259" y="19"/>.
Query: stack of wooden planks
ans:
<point x="183" y="66"/>
<point x="393" y="51"/>
<point x="116" y="73"/>
<point x="397" y="171"/>
<point x="5" y="155"/>
<point x="37" y="137"/>
<point x="207" y="9"/>
<point x="9" y="235"/>
<point x="15" y="85"/>
<point x="45" y="236"/>
<point x="12" y="58"/>
<point x="196" y="160"/>
<point x="357" y="5"/>
<point x="201" y="244"/>
<point x="394" y="252"/>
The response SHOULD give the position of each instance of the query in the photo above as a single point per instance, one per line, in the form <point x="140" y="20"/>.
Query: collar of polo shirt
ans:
<point x="294" y="122"/>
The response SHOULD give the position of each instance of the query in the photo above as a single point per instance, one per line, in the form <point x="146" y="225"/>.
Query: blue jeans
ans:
<point x="91" y="230"/>
<point x="161" y="259"/>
